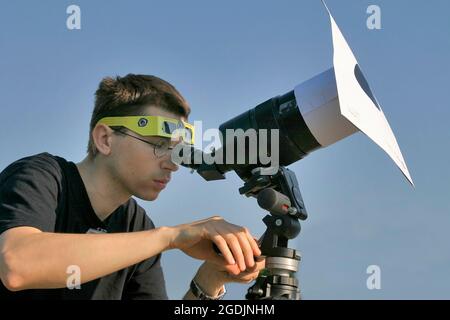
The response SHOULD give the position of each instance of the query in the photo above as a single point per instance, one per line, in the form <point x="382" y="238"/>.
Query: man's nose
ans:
<point x="167" y="163"/>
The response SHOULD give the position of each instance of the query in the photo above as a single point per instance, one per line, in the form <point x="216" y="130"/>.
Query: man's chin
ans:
<point x="149" y="196"/>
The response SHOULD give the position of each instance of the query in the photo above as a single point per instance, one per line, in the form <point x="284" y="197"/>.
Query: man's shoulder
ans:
<point x="139" y="217"/>
<point x="42" y="162"/>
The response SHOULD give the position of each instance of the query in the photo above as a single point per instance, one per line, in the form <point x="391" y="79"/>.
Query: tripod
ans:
<point x="279" y="194"/>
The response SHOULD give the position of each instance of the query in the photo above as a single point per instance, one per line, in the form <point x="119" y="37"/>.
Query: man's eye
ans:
<point x="163" y="144"/>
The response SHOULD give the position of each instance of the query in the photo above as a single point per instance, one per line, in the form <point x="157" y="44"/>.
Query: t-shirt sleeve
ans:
<point x="147" y="281"/>
<point x="29" y="194"/>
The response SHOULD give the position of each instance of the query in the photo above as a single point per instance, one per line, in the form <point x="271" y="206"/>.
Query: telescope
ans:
<point x="315" y="114"/>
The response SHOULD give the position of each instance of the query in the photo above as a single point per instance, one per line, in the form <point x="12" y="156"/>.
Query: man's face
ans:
<point x="134" y="163"/>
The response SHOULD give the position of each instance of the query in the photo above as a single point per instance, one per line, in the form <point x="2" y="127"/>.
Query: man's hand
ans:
<point x="230" y="273"/>
<point x="236" y="244"/>
<point x="211" y="277"/>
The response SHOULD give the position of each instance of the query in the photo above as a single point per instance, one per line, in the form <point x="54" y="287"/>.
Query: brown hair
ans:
<point x="129" y="96"/>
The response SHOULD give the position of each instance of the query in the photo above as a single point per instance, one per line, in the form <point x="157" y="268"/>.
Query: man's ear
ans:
<point x="102" y="138"/>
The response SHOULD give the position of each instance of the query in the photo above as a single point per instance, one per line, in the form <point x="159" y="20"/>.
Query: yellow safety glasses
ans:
<point x="154" y="126"/>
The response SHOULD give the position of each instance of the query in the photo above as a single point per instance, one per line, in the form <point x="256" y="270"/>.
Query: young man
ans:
<point x="59" y="219"/>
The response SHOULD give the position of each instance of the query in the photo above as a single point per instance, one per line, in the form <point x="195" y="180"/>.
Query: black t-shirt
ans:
<point x="47" y="192"/>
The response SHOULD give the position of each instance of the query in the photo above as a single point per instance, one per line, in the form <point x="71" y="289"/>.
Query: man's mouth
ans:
<point x="161" y="183"/>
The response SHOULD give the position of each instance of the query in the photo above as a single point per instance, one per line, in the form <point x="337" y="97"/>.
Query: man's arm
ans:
<point x="208" y="281"/>
<point x="31" y="259"/>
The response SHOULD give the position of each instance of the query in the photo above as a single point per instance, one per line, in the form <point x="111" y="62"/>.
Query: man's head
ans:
<point x="132" y="163"/>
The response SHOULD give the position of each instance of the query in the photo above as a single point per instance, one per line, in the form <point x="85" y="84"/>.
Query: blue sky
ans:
<point x="226" y="57"/>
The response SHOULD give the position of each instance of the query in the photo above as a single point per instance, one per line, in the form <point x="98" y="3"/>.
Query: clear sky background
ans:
<point x="228" y="56"/>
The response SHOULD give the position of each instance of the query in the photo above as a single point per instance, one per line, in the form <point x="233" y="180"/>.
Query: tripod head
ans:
<point x="280" y="195"/>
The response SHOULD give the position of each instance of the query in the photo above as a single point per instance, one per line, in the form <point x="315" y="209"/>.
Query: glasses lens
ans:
<point x="162" y="148"/>
<point x="169" y="127"/>
<point x="183" y="132"/>
<point x="188" y="135"/>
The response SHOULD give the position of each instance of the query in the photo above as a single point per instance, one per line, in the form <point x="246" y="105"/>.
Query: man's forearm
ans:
<point x="40" y="260"/>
